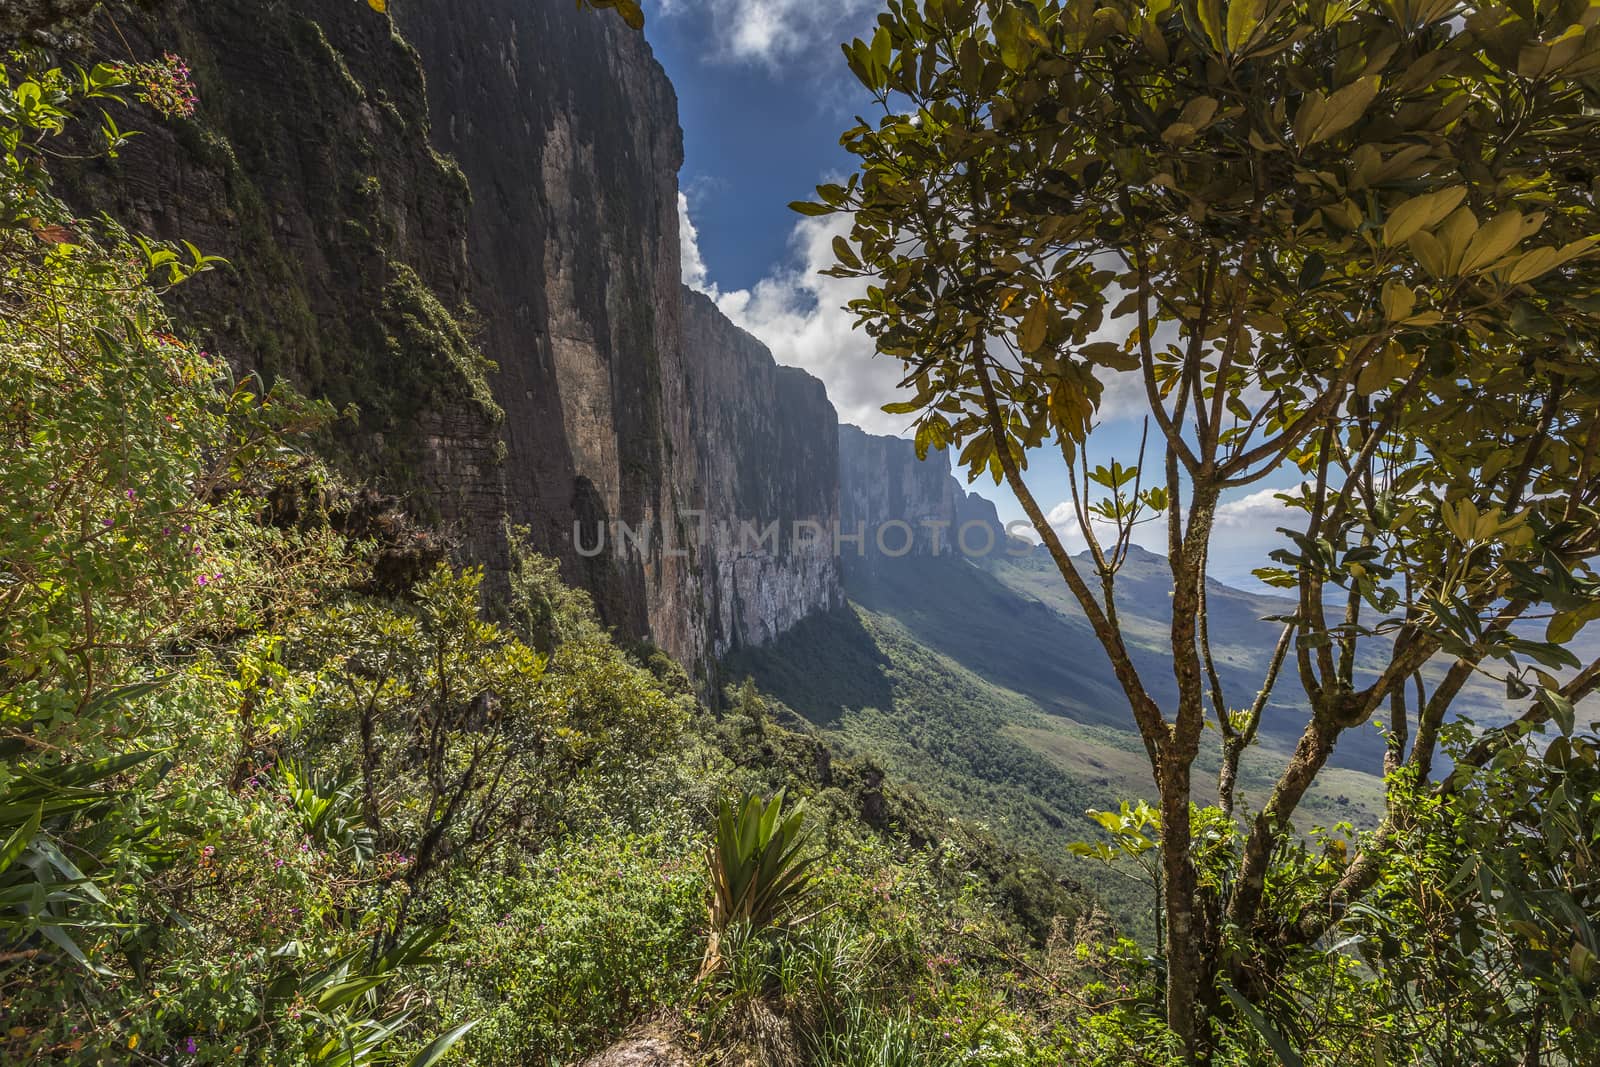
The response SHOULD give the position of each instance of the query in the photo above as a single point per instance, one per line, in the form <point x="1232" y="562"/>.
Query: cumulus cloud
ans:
<point x="1147" y="535"/>
<point x="771" y="31"/>
<point x="691" y="264"/>
<point x="799" y="314"/>
<point x="1256" y="510"/>
<point x="1244" y="532"/>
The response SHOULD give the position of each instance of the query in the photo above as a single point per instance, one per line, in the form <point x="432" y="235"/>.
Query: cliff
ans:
<point x="904" y="506"/>
<point x="463" y="223"/>
<point x="766" y="441"/>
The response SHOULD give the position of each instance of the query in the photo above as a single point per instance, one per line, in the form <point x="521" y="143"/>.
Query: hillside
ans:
<point x="1002" y="708"/>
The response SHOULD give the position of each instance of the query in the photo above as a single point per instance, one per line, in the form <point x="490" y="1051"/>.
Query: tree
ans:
<point x="1349" y="242"/>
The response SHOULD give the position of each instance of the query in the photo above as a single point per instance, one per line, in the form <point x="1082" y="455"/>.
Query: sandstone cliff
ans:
<point x="463" y="222"/>
<point x="768" y="521"/>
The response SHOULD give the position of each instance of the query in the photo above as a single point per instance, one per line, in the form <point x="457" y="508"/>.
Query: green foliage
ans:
<point x="1127" y="828"/>
<point x="759" y="872"/>
<point x="564" y="952"/>
<point x="252" y="814"/>
<point x="1348" y="245"/>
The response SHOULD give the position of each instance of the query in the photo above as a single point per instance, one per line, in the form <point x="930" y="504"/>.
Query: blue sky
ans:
<point x="763" y="94"/>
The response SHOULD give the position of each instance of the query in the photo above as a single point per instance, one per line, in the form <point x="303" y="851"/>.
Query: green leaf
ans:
<point x="1398" y="300"/>
<point x="1211" y="21"/>
<point x="971" y="63"/>
<point x="1345" y="108"/>
<point x="1269" y="1033"/>
<point x="1243" y="18"/>
<point x="1035" y="326"/>
<point x="1493" y="240"/>
<point x="805" y="207"/>
<point x="17" y="843"/>
<point x="1421" y="213"/>
<point x="1017" y="37"/>
<point x="846" y="254"/>
<point x="1199" y="112"/>
<point x="1565" y="625"/>
<point x="1558" y="707"/>
<point x="435" y="1050"/>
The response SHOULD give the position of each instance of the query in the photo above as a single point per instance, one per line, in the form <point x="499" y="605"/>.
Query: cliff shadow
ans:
<point x="950" y="605"/>
<point x="822" y="667"/>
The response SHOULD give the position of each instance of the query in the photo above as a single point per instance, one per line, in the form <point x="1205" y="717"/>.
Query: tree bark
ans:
<point x="1190" y="963"/>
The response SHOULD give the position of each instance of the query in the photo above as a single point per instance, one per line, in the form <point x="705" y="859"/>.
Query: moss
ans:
<point x="427" y="340"/>
<point x="340" y="219"/>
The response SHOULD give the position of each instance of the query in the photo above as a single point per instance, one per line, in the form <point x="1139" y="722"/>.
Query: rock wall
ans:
<point x="308" y="167"/>
<point x="566" y="130"/>
<point x="906" y="506"/>
<point x="463" y="222"/>
<point x="766" y="438"/>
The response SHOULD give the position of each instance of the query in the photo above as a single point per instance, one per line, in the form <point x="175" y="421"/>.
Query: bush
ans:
<point x="558" y="956"/>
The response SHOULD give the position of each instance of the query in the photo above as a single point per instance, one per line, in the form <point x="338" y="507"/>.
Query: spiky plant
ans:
<point x="758" y="872"/>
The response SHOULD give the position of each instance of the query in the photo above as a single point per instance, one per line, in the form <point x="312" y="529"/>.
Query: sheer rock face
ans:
<point x="906" y="506"/>
<point x="766" y="440"/>
<point x="566" y="130"/>
<point x="464" y="223"/>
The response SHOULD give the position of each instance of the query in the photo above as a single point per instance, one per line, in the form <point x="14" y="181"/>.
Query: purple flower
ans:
<point x="109" y="522"/>
<point x="190" y="1046"/>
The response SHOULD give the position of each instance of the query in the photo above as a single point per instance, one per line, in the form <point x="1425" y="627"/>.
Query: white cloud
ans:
<point x="1257" y="511"/>
<point x="799" y="314"/>
<point x="1244" y="531"/>
<point x="1148" y="535"/>
<point x="769" y="31"/>
<point x="691" y="265"/>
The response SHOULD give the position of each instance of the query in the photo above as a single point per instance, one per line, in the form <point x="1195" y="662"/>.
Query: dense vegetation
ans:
<point x="281" y="785"/>
<point x="286" y="783"/>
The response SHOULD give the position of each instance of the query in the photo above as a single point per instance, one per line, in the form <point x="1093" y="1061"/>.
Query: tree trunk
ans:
<point x="1190" y="962"/>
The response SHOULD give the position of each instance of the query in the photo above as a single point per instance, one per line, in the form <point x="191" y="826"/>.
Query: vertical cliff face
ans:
<point x="766" y="442"/>
<point x="905" y="506"/>
<point x="464" y="223"/>
<point x="566" y="130"/>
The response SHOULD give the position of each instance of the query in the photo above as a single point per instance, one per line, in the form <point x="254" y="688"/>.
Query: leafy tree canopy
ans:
<point x="1352" y="242"/>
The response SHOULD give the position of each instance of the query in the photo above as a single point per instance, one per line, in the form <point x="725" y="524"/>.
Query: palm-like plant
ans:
<point x="758" y="872"/>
